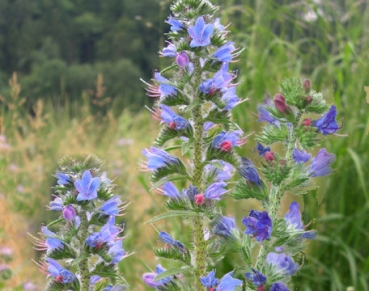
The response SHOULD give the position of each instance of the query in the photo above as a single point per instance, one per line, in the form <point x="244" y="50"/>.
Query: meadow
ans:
<point x="327" y="42"/>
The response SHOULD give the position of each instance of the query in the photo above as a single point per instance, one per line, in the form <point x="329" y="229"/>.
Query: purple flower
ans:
<point x="149" y="278"/>
<point x="225" y="141"/>
<point x="61" y="275"/>
<point x="106" y="234"/>
<point x="168" y="189"/>
<point x="116" y="251"/>
<point x="111" y="206"/>
<point x="169" y="51"/>
<point x="158" y="158"/>
<point x="69" y="213"/>
<point x="228" y="283"/>
<point x="320" y="164"/>
<point x="294" y="221"/>
<point x="182" y="59"/>
<point x="261" y="149"/>
<point x="215" y="190"/>
<point x="327" y="123"/>
<point x="220" y="80"/>
<point x="94" y="279"/>
<point x="56" y="204"/>
<point x="87" y="186"/>
<point x="191" y="192"/>
<point x="230" y="98"/>
<point x="209" y="280"/>
<point x="283" y="263"/>
<point x="51" y="242"/>
<point x="279" y="286"/>
<point x="258" y="224"/>
<point x="225" y="226"/>
<point x="300" y="156"/>
<point x="265" y="115"/>
<point x="200" y="33"/>
<point x="173" y="120"/>
<point x="164" y="88"/>
<point x="218" y="25"/>
<point x="224" y="53"/>
<point x="222" y="170"/>
<point x="248" y="171"/>
<point x="167" y="238"/>
<point x="175" y="24"/>
<point x="256" y="277"/>
<point x="63" y="179"/>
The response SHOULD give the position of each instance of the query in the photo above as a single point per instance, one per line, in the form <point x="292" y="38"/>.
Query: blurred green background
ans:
<point x="69" y="84"/>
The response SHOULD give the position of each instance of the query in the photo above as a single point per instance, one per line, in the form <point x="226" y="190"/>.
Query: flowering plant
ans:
<point x="83" y="252"/>
<point x="196" y="150"/>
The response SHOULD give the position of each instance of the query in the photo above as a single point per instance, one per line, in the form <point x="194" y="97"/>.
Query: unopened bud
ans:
<point x="307" y="122"/>
<point x="199" y="199"/>
<point x="69" y="213"/>
<point x="307" y="85"/>
<point x="182" y="59"/>
<point x="280" y="103"/>
<point x="269" y="156"/>
<point x="308" y="100"/>
<point x="226" y="146"/>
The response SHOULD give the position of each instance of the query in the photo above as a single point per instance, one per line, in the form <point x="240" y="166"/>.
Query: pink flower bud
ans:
<point x="199" y="199"/>
<point x="182" y="59"/>
<point x="269" y="156"/>
<point x="69" y="213"/>
<point x="308" y="100"/>
<point x="307" y="122"/>
<point x="307" y="85"/>
<point x="226" y="146"/>
<point x="280" y="103"/>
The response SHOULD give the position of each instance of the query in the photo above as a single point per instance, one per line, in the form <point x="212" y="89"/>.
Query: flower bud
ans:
<point x="199" y="199"/>
<point x="182" y="59"/>
<point x="226" y="146"/>
<point x="69" y="213"/>
<point x="307" y="122"/>
<point x="307" y="85"/>
<point x="308" y="100"/>
<point x="280" y="103"/>
<point x="269" y="156"/>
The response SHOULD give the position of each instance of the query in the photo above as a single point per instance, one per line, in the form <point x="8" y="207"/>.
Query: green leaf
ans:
<point x="174" y="254"/>
<point x="172" y="214"/>
<point x="243" y="190"/>
<point x="272" y="134"/>
<point x="172" y="272"/>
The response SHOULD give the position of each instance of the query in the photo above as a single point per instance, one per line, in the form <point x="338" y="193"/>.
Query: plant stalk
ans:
<point x="83" y="265"/>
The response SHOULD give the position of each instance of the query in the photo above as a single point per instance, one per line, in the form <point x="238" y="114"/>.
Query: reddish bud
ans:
<point x="307" y="122"/>
<point x="283" y="162"/>
<point x="199" y="199"/>
<point x="308" y="100"/>
<point x="307" y="85"/>
<point x="261" y="288"/>
<point x="280" y="103"/>
<point x="269" y="156"/>
<point x="226" y="146"/>
<point x="172" y="125"/>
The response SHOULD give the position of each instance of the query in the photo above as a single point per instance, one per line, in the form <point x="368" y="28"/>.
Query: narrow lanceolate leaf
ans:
<point x="227" y="156"/>
<point x="172" y="214"/>
<point x="174" y="100"/>
<point x="167" y="133"/>
<point x="174" y="254"/>
<point x="174" y="168"/>
<point x="272" y="134"/>
<point x="173" y="271"/>
<point x="243" y="190"/>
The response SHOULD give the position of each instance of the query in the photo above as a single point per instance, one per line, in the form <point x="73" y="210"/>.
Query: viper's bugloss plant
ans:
<point x="84" y="244"/>
<point x="196" y="149"/>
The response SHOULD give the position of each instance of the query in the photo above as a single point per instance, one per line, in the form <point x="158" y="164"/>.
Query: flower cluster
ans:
<point x="83" y="253"/>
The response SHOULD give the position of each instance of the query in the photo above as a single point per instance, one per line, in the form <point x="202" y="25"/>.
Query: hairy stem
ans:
<point x="83" y="264"/>
<point x="198" y="228"/>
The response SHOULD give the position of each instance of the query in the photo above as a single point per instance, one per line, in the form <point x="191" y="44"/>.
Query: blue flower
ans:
<point x="261" y="149"/>
<point x="225" y="226"/>
<point x="168" y="189"/>
<point x="224" y="53"/>
<point x="111" y="206"/>
<point x="320" y="164"/>
<point x="51" y="242"/>
<point x="116" y="251"/>
<point x="228" y="283"/>
<point x="69" y="213"/>
<point x="149" y="278"/>
<point x="209" y="280"/>
<point x="225" y="141"/>
<point x="230" y="98"/>
<point x="165" y="89"/>
<point x="215" y="190"/>
<point x="63" y="179"/>
<point x="200" y="33"/>
<point x="221" y="170"/>
<point x="248" y="171"/>
<point x="182" y="59"/>
<point x="256" y="277"/>
<point x="56" y="204"/>
<point x="158" y="158"/>
<point x="167" y="238"/>
<point x="106" y="234"/>
<point x="220" y="80"/>
<point x="173" y="120"/>
<point x="294" y="221"/>
<point x="265" y="115"/>
<point x="87" y="186"/>
<point x="327" y="123"/>
<point x="300" y="156"/>
<point x="191" y="192"/>
<point x="61" y="275"/>
<point x="175" y="24"/>
<point x="279" y="286"/>
<point x="169" y="51"/>
<point x="283" y="263"/>
<point x="258" y="224"/>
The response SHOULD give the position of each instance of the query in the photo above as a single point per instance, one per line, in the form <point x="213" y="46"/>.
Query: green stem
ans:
<point x="83" y="264"/>
<point x="200" y="243"/>
<point x="277" y="192"/>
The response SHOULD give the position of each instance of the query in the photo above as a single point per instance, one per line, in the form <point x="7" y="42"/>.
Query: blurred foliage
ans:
<point x="84" y="59"/>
